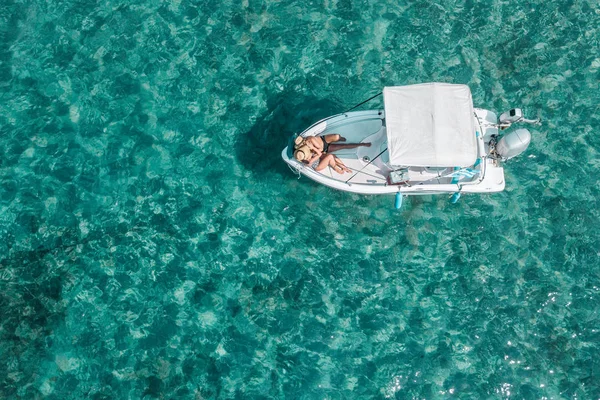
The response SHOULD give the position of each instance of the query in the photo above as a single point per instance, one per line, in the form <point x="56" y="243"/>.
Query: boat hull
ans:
<point x="370" y="168"/>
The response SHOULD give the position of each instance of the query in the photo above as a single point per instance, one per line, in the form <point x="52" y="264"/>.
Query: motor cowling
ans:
<point x="514" y="143"/>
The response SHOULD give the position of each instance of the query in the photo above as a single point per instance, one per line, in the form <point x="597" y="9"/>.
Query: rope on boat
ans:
<point x="366" y="101"/>
<point x="369" y="163"/>
<point x="295" y="170"/>
<point x="356" y="106"/>
<point x="333" y="116"/>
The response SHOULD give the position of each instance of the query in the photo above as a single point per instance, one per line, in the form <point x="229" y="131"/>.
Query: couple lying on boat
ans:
<point x="314" y="151"/>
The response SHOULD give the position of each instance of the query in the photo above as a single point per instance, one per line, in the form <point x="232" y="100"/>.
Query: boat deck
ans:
<point x="369" y="165"/>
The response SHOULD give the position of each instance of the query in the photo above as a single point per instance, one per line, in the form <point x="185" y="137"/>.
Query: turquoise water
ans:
<point x="154" y="245"/>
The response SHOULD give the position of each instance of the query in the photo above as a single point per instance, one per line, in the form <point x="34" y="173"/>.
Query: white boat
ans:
<point x="428" y="139"/>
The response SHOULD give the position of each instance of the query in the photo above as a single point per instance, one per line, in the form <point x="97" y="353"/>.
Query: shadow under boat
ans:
<point x="258" y="150"/>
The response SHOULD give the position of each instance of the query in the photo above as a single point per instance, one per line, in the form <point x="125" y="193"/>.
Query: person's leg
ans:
<point x="326" y="161"/>
<point x="337" y="146"/>
<point x="332" y="161"/>
<point x="333" y="137"/>
<point x="341" y="165"/>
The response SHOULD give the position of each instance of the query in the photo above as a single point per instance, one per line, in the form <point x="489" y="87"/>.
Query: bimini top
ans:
<point x="430" y="125"/>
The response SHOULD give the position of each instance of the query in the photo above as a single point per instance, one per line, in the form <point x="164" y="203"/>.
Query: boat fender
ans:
<point x="456" y="178"/>
<point x="398" y="202"/>
<point x="454" y="198"/>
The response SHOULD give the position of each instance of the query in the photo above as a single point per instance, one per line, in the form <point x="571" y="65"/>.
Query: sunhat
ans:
<point x="298" y="142"/>
<point x="302" y="153"/>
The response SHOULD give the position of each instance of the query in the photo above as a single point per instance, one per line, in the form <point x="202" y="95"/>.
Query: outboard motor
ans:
<point x="512" y="144"/>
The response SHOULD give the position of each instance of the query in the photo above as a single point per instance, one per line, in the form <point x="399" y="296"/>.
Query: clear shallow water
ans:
<point x="154" y="244"/>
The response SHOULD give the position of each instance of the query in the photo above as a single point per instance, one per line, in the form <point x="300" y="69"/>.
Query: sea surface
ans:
<point x="154" y="245"/>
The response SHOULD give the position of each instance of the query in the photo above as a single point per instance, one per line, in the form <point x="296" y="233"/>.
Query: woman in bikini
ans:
<point x="313" y="148"/>
<point x="305" y="155"/>
<point x="328" y="143"/>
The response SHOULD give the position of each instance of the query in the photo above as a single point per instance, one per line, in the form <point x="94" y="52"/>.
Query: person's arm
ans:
<point x="315" y="145"/>
<point x="315" y="149"/>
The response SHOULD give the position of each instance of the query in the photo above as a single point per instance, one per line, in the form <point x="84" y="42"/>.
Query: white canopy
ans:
<point x="430" y="125"/>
